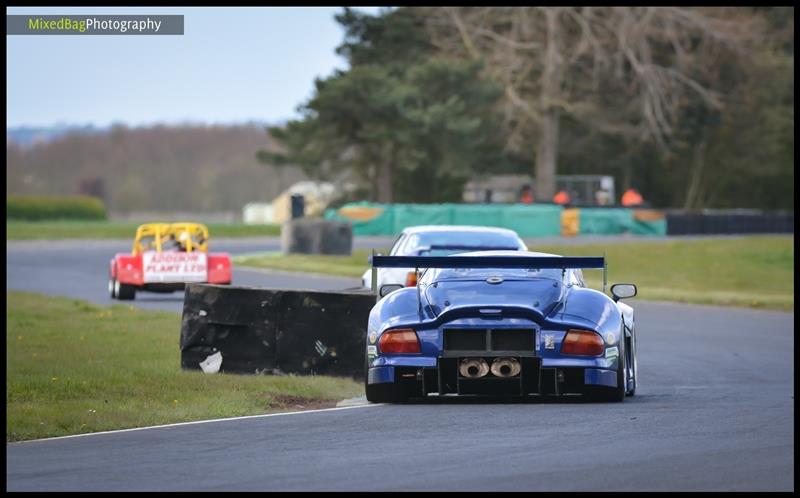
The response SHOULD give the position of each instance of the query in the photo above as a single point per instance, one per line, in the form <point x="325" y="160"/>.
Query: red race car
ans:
<point x="165" y="257"/>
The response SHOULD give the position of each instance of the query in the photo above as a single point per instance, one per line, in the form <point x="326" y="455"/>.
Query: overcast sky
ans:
<point x="231" y="65"/>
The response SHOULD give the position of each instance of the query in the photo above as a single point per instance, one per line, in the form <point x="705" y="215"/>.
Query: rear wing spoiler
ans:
<point x="546" y="262"/>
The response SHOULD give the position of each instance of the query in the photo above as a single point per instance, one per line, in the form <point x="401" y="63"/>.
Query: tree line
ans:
<point x="693" y="106"/>
<point x="158" y="168"/>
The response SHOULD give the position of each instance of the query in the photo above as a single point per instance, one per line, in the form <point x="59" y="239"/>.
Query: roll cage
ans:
<point x="183" y="236"/>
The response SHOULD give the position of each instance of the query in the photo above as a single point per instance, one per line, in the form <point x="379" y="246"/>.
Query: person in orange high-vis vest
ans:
<point x="632" y="198"/>
<point x="562" y="198"/>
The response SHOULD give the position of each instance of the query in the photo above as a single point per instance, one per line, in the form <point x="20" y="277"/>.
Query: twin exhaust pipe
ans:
<point x="475" y="368"/>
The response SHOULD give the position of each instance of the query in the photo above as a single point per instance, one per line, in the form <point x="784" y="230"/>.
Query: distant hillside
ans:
<point x="29" y="135"/>
<point x="159" y="168"/>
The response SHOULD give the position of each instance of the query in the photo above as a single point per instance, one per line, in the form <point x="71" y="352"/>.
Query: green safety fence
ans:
<point x="609" y="221"/>
<point x="528" y="220"/>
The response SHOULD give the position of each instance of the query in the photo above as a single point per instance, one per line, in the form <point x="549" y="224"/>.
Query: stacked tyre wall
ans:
<point x="274" y="331"/>
<point x="729" y="222"/>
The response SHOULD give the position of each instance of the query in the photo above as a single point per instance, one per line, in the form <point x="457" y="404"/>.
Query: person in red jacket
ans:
<point x="527" y="195"/>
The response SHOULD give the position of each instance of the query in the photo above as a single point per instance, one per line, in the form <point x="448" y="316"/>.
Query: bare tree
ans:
<point x="623" y="70"/>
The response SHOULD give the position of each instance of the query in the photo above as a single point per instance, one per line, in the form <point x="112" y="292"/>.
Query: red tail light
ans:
<point x="399" y="341"/>
<point x="583" y="342"/>
<point x="411" y="279"/>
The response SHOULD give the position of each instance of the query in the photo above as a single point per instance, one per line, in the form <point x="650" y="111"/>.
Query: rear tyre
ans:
<point x="612" y="394"/>
<point x="389" y="392"/>
<point x="383" y="393"/>
<point x="634" y="379"/>
<point x="125" y="292"/>
<point x="618" y="394"/>
<point x="112" y="288"/>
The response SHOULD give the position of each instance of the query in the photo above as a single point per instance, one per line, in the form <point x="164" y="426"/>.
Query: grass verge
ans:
<point x="64" y="229"/>
<point x="73" y="367"/>
<point x="751" y="271"/>
<point x="345" y="266"/>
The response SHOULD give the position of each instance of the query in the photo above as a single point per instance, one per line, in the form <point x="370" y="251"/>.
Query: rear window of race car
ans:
<point x="438" y="274"/>
<point x="489" y="240"/>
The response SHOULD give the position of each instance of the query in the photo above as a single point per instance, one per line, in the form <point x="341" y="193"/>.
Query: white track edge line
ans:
<point x="196" y="422"/>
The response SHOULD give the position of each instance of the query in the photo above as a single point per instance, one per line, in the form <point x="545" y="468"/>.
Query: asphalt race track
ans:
<point x="714" y="411"/>
<point x="79" y="269"/>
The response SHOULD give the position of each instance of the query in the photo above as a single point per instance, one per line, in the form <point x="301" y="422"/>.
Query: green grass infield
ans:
<point x="64" y="229"/>
<point x="749" y="271"/>
<point x="74" y="367"/>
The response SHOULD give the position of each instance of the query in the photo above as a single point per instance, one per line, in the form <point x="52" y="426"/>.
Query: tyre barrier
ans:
<point x="316" y="236"/>
<point x="729" y="222"/>
<point x="270" y="331"/>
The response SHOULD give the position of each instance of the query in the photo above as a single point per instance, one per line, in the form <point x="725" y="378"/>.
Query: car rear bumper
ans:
<point x="535" y="378"/>
<point x="169" y="286"/>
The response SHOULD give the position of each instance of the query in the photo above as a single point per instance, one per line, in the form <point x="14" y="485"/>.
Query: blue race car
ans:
<point x="508" y="323"/>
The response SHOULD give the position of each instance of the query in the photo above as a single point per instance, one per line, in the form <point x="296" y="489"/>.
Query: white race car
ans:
<point x="441" y="240"/>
